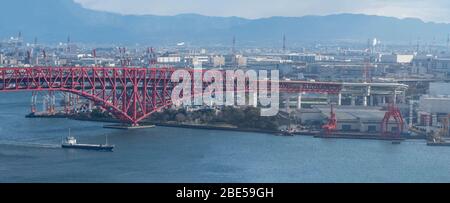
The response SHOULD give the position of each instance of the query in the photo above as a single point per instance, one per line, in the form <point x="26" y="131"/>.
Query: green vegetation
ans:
<point x="98" y="113"/>
<point x="245" y="117"/>
<point x="239" y="117"/>
<point x="95" y="114"/>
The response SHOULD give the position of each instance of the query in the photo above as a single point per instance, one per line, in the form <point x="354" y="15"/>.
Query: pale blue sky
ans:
<point x="428" y="10"/>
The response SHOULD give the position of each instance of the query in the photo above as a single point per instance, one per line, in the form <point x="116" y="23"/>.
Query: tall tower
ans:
<point x="233" y="49"/>
<point x="44" y="57"/>
<point x="448" y="43"/>
<point x="284" y="42"/>
<point x="94" y="54"/>
<point x="366" y="73"/>
<point x="418" y="45"/>
<point x="68" y="44"/>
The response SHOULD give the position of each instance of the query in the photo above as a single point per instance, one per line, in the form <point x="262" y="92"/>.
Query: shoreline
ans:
<point x="315" y="134"/>
<point x="172" y="125"/>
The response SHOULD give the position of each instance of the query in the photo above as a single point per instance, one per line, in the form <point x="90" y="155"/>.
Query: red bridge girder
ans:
<point x="131" y="94"/>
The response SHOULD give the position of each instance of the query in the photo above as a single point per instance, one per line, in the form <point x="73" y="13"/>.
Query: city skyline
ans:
<point x="430" y="11"/>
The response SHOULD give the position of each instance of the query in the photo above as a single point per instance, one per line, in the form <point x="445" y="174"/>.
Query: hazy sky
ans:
<point x="429" y="10"/>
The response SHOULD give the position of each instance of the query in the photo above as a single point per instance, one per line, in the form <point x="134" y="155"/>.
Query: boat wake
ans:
<point x="31" y="145"/>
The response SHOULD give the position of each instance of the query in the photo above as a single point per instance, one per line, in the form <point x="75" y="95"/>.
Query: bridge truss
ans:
<point x="130" y="94"/>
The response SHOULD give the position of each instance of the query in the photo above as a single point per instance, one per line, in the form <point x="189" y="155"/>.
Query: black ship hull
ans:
<point x="439" y="144"/>
<point x="90" y="147"/>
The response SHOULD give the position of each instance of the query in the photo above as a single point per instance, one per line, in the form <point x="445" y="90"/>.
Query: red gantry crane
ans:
<point x="332" y="123"/>
<point x="393" y="112"/>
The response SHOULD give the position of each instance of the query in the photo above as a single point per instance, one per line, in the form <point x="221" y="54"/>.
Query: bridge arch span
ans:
<point x="132" y="94"/>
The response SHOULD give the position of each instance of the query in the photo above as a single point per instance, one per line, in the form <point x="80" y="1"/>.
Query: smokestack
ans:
<point x="29" y="57"/>
<point x="233" y="50"/>
<point x="68" y="43"/>
<point x="94" y="53"/>
<point x="448" y="43"/>
<point x="418" y="45"/>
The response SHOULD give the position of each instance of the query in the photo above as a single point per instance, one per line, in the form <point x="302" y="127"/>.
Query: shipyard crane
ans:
<point x="332" y="122"/>
<point x="395" y="113"/>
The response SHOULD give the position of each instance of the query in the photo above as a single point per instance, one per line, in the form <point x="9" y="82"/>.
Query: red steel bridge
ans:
<point x="131" y="94"/>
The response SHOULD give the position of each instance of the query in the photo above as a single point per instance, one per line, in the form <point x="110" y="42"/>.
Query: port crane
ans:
<point x="332" y="123"/>
<point x="393" y="112"/>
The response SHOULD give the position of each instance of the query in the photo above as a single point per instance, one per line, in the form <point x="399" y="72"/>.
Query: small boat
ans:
<point x="438" y="143"/>
<point x="71" y="143"/>
<point x="396" y="142"/>
<point x="287" y="133"/>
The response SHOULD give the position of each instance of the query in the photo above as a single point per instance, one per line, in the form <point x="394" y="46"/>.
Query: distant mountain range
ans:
<point x="54" y="20"/>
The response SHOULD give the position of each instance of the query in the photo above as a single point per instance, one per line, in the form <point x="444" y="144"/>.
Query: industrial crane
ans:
<point x="395" y="113"/>
<point x="332" y="122"/>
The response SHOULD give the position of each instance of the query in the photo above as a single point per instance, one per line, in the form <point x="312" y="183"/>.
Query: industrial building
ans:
<point x="396" y="58"/>
<point x="349" y="119"/>
<point x="364" y="120"/>
<point x="235" y="60"/>
<point x="437" y="67"/>
<point x="218" y="61"/>
<point x="2" y="58"/>
<point x="434" y="107"/>
<point x="169" y="59"/>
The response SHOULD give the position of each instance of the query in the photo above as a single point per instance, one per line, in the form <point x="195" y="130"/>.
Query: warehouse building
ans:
<point x="357" y="119"/>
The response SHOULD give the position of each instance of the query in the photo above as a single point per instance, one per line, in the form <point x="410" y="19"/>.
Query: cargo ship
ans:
<point x="71" y="143"/>
<point x="438" y="143"/>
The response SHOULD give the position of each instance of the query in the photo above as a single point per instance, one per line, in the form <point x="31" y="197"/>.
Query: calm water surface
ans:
<point x="29" y="153"/>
